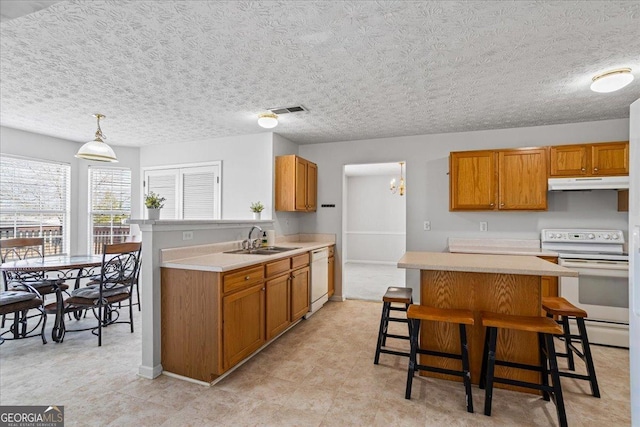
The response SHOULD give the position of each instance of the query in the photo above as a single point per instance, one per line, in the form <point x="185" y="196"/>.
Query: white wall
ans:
<point x="247" y="168"/>
<point x="376" y="219"/>
<point x="35" y="146"/>
<point x="428" y="185"/>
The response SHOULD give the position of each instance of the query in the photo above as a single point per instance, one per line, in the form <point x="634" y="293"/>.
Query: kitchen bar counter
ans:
<point x="499" y="247"/>
<point x="509" y="284"/>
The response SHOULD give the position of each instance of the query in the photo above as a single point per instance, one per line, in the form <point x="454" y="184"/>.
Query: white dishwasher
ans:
<point x="319" y="280"/>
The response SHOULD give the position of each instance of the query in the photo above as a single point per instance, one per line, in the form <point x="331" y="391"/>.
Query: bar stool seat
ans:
<point x="546" y="328"/>
<point x="558" y="306"/>
<point x="418" y="313"/>
<point x="393" y="295"/>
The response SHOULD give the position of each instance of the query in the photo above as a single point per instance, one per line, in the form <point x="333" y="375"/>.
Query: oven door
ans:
<point x="602" y="289"/>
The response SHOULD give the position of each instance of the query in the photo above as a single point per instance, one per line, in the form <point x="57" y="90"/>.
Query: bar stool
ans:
<point x="417" y="313"/>
<point x="393" y="295"/>
<point x="558" y="306"/>
<point x="546" y="329"/>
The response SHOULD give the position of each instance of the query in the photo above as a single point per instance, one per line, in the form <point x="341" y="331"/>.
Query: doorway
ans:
<point x="373" y="231"/>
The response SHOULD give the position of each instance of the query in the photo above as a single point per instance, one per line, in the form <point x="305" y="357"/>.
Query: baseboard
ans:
<point x="149" y="372"/>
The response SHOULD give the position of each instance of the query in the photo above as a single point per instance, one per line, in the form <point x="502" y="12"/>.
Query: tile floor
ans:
<point x="370" y="281"/>
<point x="320" y="373"/>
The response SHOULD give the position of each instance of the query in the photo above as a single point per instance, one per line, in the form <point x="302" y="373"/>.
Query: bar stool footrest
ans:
<point x="526" y="384"/>
<point x="399" y="337"/>
<point x="440" y="370"/>
<point x="394" y="352"/>
<point x="518" y="365"/>
<point x="439" y="354"/>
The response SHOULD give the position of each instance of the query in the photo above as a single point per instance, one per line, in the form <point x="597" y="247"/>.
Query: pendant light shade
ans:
<point x="268" y="120"/>
<point x="97" y="150"/>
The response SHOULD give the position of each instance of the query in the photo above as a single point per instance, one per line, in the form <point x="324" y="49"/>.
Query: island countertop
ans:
<point x="483" y="263"/>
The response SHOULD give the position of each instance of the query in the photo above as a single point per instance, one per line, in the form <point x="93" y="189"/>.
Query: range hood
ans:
<point x="589" y="183"/>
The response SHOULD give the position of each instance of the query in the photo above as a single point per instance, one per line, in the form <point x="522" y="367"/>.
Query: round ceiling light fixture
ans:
<point x="611" y="81"/>
<point x="268" y="120"/>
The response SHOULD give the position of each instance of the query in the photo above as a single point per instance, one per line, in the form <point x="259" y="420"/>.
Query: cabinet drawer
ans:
<point x="331" y="250"/>
<point x="300" y="260"/>
<point x="242" y="278"/>
<point x="276" y="267"/>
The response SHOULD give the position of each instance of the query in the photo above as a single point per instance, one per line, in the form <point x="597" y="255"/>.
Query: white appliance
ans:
<point x="319" y="280"/>
<point x="589" y="183"/>
<point x="602" y="286"/>
<point x="634" y="258"/>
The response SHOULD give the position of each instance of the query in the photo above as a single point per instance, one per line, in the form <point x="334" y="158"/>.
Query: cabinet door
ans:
<point x="569" y="160"/>
<point x="301" y="184"/>
<point x="610" y="158"/>
<point x="312" y="186"/>
<point x="277" y="305"/>
<point x="522" y="179"/>
<point x="332" y="271"/>
<point x="299" y="293"/>
<point x="243" y="324"/>
<point x="472" y="180"/>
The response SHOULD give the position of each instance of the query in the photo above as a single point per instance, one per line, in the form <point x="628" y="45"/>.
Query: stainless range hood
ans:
<point x="589" y="183"/>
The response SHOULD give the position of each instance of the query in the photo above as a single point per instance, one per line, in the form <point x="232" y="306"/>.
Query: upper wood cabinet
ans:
<point x="503" y="180"/>
<point x="602" y="159"/>
<point x="296" y="184"/>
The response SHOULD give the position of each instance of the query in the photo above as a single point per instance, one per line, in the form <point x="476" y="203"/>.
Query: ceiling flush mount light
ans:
<point x="268" y="120"/>
<point x="401" y="187"/>
<point x="612" y="80"/>
<point x="97" y="149"/>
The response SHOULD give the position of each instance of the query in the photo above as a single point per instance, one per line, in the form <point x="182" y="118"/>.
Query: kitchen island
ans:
<point x="509" y="284"/>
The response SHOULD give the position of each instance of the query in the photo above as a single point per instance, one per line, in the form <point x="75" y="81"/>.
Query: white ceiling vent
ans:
<point x="286" y="110"/>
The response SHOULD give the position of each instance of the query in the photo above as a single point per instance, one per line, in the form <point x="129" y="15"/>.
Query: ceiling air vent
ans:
<point x="286" y="110"/>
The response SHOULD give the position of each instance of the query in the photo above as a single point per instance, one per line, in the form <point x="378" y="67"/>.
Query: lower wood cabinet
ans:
<point x="243" y="330"/>
<point x="299" y="293"/>
<point x="332" y="273"/>
<point x="278" y="310"/>
<point x="549" y="283"/>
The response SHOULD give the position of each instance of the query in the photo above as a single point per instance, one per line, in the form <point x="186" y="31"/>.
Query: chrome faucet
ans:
<point x="251" y="232"/>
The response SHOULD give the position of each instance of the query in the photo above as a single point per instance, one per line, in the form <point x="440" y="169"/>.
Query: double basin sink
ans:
<point x="268" y="250"/>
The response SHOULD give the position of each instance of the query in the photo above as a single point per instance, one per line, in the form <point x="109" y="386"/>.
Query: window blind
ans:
<point x="109" y="206"/>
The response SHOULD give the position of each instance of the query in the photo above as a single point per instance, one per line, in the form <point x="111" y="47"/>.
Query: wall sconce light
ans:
<point x="268" y="120"/>
<point x="401" y="187"/>
<point x="97" y="149"/>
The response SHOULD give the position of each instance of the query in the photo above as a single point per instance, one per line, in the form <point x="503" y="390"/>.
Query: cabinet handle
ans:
<point x="492" y="204"/>
<point x="583" y="169"/>
<point x="595" y="169"/>
<point x="501" y="204"/>
<point x="247" y="278"/>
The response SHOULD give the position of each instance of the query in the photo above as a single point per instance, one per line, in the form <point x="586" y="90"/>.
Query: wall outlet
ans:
<point x="187" y="235"/>
<point x="484" y="225"/>
<point x="427" y="226"/>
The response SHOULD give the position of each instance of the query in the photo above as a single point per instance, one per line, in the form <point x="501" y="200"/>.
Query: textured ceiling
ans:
<point x="181" y="71"/>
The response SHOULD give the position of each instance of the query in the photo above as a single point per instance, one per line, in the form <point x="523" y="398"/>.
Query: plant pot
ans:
<point x="153" y="214"/>
<point x="256" y="215"/>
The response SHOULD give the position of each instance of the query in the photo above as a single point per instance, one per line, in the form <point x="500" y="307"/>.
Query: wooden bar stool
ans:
<point x="417" y="313"/>
<point x="393" y="295"/>
<point x="545" y="328"/>
<point x="558" y="306"/>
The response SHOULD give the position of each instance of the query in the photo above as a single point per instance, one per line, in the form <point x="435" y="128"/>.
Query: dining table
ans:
<point x="61" y="267"/>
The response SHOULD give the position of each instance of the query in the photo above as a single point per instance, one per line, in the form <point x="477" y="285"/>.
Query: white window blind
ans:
<point x="109" y="206"/>
<point x="35" y="201"/>
<point x="191" y="192"/>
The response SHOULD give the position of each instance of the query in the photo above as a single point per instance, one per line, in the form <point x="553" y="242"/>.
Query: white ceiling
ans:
<point x="181" y="71"/>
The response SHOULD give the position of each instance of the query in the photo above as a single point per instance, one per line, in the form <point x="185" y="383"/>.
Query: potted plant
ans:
<point x="256" y="208"/>
<point x="154" y="203"/>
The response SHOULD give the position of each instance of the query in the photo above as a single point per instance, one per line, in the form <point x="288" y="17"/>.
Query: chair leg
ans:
<point x="491" y="361"/>
<point x="415" y="331"/>
<point x="381" y="332"/>
<point x="131" y="312"/>
<point x="485" y="355"/>
<point x="464" y="352"/>
<point x="44" y="322"/>
<point x="555" y="377"/>
<point x="588" y="359"/>
<point x="101" y="314"/>
<point x="138" y="296"/>
<point x="544" y="374"/>
<point x="567" y="340"/>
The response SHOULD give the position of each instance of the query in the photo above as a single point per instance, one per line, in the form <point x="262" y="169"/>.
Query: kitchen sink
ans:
<point x="268" y="250"/>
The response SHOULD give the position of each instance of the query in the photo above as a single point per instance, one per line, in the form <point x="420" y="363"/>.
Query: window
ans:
<point x="109" y="206"/>
<point x="34" y="201"/>
<point x="191" y="192"/>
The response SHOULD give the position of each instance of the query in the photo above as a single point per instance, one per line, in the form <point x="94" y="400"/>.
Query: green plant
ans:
<point x="154" y="201"/>
<point x="257" y="207"/>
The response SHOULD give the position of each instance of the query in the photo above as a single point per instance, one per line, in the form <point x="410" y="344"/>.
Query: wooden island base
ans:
<point x="499" y="293"/>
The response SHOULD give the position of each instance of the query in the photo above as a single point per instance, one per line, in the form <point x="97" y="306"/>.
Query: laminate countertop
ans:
<point x="483" y="263"/>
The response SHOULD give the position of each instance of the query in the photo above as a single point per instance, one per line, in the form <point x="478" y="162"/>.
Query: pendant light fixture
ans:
<point x="97" y="149"/>
<point x="401" y="187"/>
<point x="268" y="120"/>
<point x="612" y="80"/>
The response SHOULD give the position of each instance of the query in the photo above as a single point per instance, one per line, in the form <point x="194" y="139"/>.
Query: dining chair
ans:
<point x="17" y="249"/>
<point x="118" y="273"/>
<point x="19" y="303"/>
